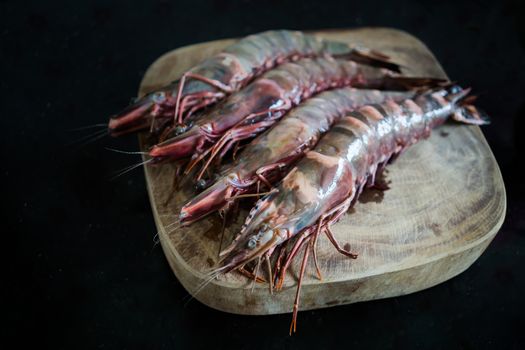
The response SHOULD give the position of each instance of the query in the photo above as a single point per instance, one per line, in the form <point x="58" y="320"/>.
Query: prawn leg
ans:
<point x="293" y="325"/>
<point x="336" y="213"/>
<point x="240" y="133"/>
<point x="250" y="275"/>
<point x="314" y="251"/>
<point x="270" y="275"/>
<point x="280" y="257"/>
<point x="293" y="252"/>
<point x="213" y="82"/>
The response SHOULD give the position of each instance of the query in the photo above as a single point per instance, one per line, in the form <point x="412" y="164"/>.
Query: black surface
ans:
<point x="81" y="266"/>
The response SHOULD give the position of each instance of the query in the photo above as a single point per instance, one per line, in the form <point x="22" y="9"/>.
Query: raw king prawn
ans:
<point x="262" y="103"/>
<point x="327" y="181"/>
<point x="226" y="72"/>
<point x="268" y="157"/>
<point x="267" y="98"/>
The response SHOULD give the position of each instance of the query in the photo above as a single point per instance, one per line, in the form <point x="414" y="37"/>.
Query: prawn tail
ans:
<point x="411" y="83"/>
<point x="466" y="112"/>
<point x="372" y="58"/>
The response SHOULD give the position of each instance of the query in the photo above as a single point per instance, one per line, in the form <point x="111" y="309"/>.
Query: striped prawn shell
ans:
<point x="272" y="153"/>
<point x="257" y="53"/>
<point x="340" y="166"/>
<point x="232" y="68"/>
<point x="272" y="94"/>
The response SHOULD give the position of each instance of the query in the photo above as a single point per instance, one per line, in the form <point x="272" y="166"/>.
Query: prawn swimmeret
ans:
<point x="226" y="72"/>
<point x="327" y="181"/>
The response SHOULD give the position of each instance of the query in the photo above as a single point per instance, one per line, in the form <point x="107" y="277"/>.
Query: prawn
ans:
<point x="266" y="159"/>
<point x="327" y="181"/>
<point x="263" y="102"/>
<point x="226" y="72"/>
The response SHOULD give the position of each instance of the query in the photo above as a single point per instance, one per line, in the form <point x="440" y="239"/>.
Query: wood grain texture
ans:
<point x="446" y="203"/>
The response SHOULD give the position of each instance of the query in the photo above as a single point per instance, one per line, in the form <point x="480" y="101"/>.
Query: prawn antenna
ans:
<point x="211" y="276"/>
<point x="125" y="152"/>
<point x="130" y="168"/>
<point x="92" y="126"/>
<point x="87" y="139"/>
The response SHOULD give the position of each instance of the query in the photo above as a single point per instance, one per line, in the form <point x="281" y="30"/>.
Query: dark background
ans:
<point x="81" y="269"/>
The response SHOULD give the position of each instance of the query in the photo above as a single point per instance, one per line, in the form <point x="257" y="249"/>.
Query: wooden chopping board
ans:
<point x="446" y="204"/>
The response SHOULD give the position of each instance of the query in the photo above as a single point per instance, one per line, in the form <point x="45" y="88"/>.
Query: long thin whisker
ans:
<point x="212" y="275"/>
<point x="172" y="224"/>
<point x="175" y="229"/>
<point x="94" y="133"/>
<point x="223" y="229"/>
<point x="248" y="195"/>
<point x="84" y="140"/>
<point x="256" y="273"/>
<point x="270" y="276"/>
<point x="96" y="138"/>
<point x="156" y="237"/>
<point x="219" y="269"/>
<point x="156" y="240"/>
<point x="130" y="168"/>
<point x="125" y="152"/>
<point x="191" y="296"/>
<point x="93" y="126"/>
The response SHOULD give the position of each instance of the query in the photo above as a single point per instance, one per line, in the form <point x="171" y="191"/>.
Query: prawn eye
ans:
<point x="201" y="184"/>
<point x="159" y="97"/>
<point x="455" y="89"/>
<point x="179" y="129"/>
<point x="251" y="243"/>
